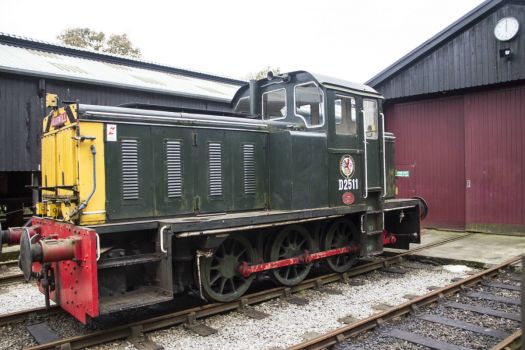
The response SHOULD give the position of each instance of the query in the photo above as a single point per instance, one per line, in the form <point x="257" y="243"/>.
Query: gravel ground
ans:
<point x="20" y="296"/>
<point x="7" y="271"/>
<point x="286" y="326"/>
<point x="288" y="323"/>
<point x="16" y="336"/>
<point x="507" y="293"/>
<point x="380" y="338"/>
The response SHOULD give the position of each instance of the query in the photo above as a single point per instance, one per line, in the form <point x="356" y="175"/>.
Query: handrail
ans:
<point x="364" y="155"/>
<point x="384" y="153"/>
<point x="161" y="234"/>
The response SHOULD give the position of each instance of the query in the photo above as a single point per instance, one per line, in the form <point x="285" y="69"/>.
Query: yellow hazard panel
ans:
<point x="66" y="161"/>
<point x="95" y="211"/>
<point x="67" y="168"/>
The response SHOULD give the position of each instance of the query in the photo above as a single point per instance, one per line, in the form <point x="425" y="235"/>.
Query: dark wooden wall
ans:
<point x="21" y="113"/>
<point x="468" y="60"/>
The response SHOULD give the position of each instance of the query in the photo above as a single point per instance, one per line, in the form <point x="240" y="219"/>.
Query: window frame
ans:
<point x="239" y="101"/>
<point x="285" y="103"/>
<point x="320" y="109"/>
<point x="376" y="118"/>
<point x="337" y="96"/>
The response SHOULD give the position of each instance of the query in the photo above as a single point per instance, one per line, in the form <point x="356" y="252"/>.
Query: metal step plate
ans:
<point x="42" y="333"/>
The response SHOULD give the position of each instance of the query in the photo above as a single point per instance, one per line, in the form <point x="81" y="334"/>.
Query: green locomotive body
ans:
<point x="300" y="174"/>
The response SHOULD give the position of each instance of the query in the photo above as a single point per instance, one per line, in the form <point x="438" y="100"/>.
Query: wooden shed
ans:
<point x="457" y="106"/>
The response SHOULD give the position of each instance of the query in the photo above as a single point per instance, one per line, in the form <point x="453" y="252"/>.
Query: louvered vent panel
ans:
<point x="174" y="169"/>
<point x="130" y="169"/>
<point x="248" y="154"/>
<point x="215" y="168"/>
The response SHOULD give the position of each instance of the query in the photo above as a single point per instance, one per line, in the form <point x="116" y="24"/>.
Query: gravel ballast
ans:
<point x="380" y="338"/>
<point x="20" y="296"/>
<point x="288" y="323"/>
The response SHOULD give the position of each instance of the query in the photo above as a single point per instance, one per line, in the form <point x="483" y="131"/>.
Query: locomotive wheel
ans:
<point x="221" y="279"/>
<point x="341" y="234"/>
<point x="290" y="242"/>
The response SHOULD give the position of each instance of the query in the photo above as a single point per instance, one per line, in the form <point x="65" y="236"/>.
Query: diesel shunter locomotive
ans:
<point x="141" y="204"/>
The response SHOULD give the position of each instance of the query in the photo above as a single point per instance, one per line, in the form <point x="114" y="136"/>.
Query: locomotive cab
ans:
<point x="331" y="130"/>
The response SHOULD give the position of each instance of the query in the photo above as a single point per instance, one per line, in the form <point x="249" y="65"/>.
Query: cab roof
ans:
<point x="332" y="82"/>
<point x="323" y="80"/>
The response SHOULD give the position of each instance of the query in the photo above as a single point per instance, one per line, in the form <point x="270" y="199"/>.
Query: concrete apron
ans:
<point x="481" y="248"/>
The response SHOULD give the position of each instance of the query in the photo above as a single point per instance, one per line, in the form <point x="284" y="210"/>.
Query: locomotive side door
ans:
<point x="374" y="143"/>
<point x="345" y="149"/>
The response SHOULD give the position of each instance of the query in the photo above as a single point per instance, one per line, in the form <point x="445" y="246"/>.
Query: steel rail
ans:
<point x="9" y="263"/>
<point x="18" y="277"/>
<point x="340" y="334"/>
<point x="10" y="278"/>
<point x="200" y="312"/>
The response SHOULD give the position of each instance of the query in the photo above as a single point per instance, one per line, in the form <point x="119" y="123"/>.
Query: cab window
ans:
<point x="243" y="105"/>
<point x="274" y="104"/>
<point x="345" y="115"/>
<point x="370" y="116"/>
<point x="309" y="104"/>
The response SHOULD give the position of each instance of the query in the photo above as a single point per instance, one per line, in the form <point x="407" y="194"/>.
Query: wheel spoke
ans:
<point x="223" y="283"/>
<point x="287" y="272"/>
<point x="295" y="270"/>
<point x="215" y="279"/>
<point x="232" y="284"/>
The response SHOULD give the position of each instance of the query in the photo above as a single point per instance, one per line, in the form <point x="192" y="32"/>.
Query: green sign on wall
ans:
<point x="402" y="173"/>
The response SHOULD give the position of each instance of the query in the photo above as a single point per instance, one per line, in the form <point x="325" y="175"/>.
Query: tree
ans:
<point x="83" y="37"/>
<point x="262" y="73"/>
<point x="121" y="45"/>
<point x="118" y="44"/>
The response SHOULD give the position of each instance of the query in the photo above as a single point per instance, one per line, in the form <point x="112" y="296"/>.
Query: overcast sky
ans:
<point x="353" y="40"/>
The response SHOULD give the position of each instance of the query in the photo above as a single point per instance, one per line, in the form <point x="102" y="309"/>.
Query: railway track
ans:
<point x="9" y="278"/>
<point x="191" y="316"/>
<point x="415" y="309"/>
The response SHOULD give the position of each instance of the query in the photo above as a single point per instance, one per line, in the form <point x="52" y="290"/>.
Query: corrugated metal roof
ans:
<point x="49" y="64"/>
